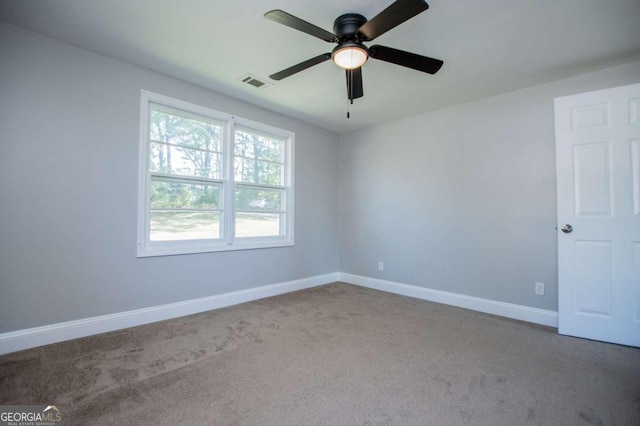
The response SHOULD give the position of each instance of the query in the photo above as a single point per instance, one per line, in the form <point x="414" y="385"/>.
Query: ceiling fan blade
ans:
<point x="354" y="79"/>
<point x="406" y="59"/>
<point x="301" y="66"/>
<point x="291" y="21"/>
<point x="392" y="16"/>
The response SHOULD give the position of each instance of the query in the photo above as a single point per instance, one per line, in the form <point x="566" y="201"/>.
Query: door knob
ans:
<point x="567" y="228"/>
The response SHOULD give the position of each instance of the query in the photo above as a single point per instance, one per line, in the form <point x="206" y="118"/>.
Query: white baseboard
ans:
<point x="509" y="310"/>
<point x="38" y="336"/>
<point x="33" y="337"/>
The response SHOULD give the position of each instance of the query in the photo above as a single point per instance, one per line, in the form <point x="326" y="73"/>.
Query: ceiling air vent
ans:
<point x="255" y="81"/>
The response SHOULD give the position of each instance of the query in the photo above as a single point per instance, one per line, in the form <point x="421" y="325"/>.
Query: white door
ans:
<point x="598" y="177"/>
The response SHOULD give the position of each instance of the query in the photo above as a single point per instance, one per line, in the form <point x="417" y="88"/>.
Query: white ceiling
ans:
<point x="488" y="46"/>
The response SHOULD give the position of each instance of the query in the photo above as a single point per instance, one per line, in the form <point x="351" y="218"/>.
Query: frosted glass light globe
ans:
<point x="350" y="57"/>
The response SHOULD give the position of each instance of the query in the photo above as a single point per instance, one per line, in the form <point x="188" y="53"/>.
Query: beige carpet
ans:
<point x="332" y="355"/>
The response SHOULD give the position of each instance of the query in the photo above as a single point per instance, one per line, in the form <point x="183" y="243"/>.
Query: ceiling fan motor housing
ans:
<point x="346" y="26"/>
<point x="350" y="53"/>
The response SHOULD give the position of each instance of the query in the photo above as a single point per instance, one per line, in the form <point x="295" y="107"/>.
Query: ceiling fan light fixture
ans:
<point x="350" y="55"/>
<point x="350" y="31"/>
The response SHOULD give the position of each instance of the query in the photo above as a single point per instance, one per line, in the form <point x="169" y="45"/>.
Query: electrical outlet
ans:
<point x="380" y="266"/>
<point x="540" y="289"/>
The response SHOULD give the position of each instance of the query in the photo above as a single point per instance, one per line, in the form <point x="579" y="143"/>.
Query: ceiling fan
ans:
<point x="350" y="31"/>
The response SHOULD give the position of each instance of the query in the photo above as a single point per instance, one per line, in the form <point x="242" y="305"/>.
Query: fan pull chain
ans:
<point x="350" y="102"/>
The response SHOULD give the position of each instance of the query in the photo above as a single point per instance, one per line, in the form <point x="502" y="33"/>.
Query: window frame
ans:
<point x="228" y="241"/>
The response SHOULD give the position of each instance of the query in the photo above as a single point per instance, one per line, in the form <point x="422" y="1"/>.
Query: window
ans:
<point x="210" y="181"/>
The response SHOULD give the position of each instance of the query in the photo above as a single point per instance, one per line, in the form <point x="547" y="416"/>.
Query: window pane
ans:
<point x="183" y="161"/>
<point x="258" y="199"/>
<point x="256" y="171"/>
<point x="177" y="130"/>
<point x="180" y="195"/>
<point x="257" y="224"/>
<point x="184" y="225"/>
<point x="256" y="145"/>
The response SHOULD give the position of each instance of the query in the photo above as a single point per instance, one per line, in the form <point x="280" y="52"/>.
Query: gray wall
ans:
<point x="462" y="199"/>
<point x="69" y="124"/>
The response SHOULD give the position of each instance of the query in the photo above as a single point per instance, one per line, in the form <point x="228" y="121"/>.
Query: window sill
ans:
<point x="182" y="248"/>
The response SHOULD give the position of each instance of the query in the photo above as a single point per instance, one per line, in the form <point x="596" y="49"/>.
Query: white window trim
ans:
<point x="147" y="248"/>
